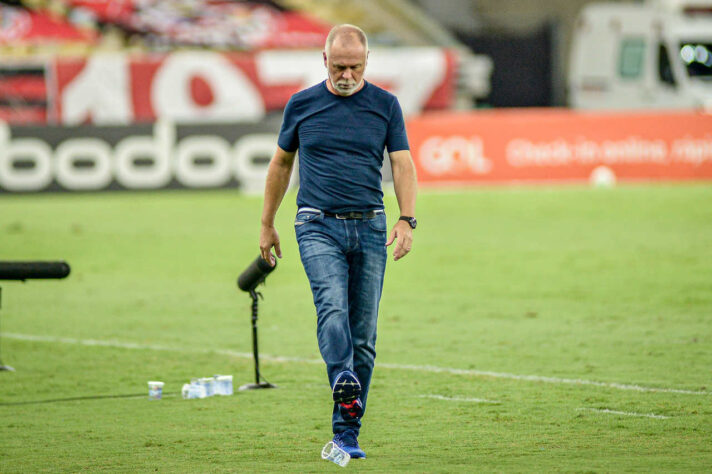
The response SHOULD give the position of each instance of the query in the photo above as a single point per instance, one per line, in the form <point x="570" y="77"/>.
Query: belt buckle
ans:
<point x="341" y="216"/>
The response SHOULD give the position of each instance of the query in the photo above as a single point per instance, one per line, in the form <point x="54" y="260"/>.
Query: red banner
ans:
<point x="22" y="26"/>
<point x="205" y="86"/>
<point x="560" y="145"/>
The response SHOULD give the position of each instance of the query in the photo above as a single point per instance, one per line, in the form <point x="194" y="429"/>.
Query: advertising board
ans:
<point x="151" y="156"/>
<point x="558" y="145"/>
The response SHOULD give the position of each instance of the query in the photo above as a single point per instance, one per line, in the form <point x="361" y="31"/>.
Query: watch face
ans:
<point x="410" y="220"/>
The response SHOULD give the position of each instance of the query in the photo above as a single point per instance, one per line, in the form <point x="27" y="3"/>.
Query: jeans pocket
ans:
<point x="304" y="217"/>
<point x="378" y="223"/>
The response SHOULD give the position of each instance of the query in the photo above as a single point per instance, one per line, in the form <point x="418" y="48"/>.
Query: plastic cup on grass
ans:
<point x="155" y="390"/>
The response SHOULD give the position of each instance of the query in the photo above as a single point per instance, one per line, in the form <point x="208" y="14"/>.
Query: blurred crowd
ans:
<point x="72" y="26"/>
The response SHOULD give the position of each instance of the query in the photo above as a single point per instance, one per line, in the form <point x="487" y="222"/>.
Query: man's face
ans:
<point x="346" y="64"/>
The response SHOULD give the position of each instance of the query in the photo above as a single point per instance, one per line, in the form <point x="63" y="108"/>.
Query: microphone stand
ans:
<point x="21" y="271"/>
<point x="257" y="385"/>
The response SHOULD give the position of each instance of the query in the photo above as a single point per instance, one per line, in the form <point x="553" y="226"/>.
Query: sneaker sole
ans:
<point x="346" y="388"/>
<point x="351" y="411"/>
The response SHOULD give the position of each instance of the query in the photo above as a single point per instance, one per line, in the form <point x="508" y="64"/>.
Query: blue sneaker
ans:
<point x="346" y="387"/>
<point x="349" y="443"/>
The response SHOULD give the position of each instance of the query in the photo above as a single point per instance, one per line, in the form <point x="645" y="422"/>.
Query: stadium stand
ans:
<point x="32" y="31"/>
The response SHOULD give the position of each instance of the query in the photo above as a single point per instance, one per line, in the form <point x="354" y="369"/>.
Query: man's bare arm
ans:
<point x="405" y="184"/>
<point x="278" y="175"/>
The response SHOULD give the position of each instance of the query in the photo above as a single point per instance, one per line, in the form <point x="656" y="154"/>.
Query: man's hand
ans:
<point x="269" y="238"/>
<point x="404" y="234"/>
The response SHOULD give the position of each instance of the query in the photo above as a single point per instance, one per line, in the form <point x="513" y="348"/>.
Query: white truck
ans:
<point x="653" y="55"/>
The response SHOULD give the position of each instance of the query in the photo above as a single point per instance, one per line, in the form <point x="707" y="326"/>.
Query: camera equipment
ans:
<point x="255" y="274"/>
<point x="38" y="270"/>
<point x="30" y="270"/>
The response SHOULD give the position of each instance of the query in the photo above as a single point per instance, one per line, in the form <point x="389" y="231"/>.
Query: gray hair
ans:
<point x="345" y="29"/>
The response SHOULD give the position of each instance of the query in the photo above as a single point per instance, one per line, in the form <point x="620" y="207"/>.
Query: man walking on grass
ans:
<point x="341" y="127"/>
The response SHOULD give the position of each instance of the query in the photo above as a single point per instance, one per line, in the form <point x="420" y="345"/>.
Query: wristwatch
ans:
<point x="410" y="220"/>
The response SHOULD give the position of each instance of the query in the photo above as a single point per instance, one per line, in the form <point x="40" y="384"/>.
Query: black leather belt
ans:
<point x="354" y="214"/>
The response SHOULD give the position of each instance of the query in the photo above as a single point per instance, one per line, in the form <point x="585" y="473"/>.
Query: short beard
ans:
<point x="346" y="93"/>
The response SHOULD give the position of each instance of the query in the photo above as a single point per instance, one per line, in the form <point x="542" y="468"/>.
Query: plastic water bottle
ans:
<point x="193" y="390"/>
<point x="223" y="385"/>
<point x="209" y="384"/>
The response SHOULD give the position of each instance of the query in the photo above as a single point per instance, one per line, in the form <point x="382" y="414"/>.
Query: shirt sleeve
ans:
<point x="288" y="134"/>
<point x="396" y="139"/>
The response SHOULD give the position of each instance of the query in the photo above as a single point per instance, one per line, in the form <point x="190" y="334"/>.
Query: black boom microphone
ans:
<point x="255" y="274"/>
<point x="22" y="271"/>
<point x="33" y="270"/>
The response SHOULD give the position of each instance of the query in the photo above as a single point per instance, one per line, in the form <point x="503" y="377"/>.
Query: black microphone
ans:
<point x="255" y="274"/>
<point x="31" y="270"/>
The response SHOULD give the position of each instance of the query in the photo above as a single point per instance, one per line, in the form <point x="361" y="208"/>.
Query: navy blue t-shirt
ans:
<point x="341" y="142"/>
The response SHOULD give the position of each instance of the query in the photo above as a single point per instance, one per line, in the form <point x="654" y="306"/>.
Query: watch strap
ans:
<point x="410" y="220"/>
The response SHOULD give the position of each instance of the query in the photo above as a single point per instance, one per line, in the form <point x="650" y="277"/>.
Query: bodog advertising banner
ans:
<point x="505" y="146"/>
<point x="134" y="157"/>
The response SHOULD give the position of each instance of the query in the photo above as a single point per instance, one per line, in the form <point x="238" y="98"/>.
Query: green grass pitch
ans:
<point x="531" y="329"/>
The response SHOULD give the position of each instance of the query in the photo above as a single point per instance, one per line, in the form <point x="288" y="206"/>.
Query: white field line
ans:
<point x="541" y="378"/>
<point x="624" y="413"/>
<point x="385" y="365"/>
<point x="460" y="399"/>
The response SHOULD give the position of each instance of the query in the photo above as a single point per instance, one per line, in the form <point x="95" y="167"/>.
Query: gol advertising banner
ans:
<point x="560" y="145"/>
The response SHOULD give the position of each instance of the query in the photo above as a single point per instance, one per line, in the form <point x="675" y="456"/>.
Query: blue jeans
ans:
<point x="345" y="260"/>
